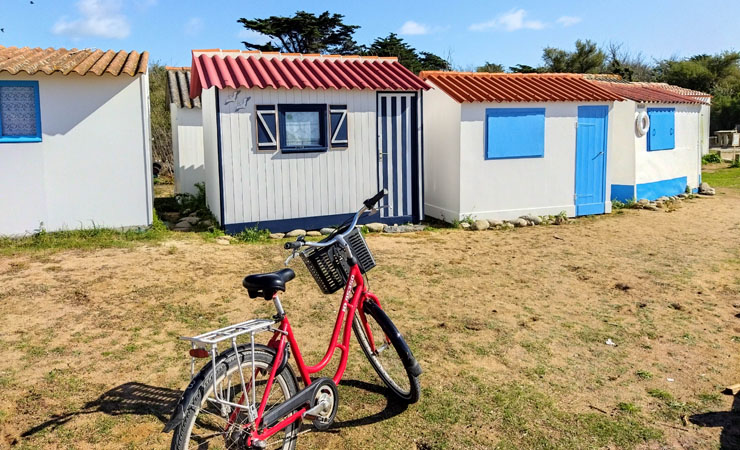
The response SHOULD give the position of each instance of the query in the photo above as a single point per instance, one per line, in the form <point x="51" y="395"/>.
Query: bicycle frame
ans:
<point x="284" y="336"/>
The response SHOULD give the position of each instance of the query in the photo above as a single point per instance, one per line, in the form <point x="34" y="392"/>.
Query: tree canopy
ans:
<point x="304" y="33"/>
<point x="392" y="45"/>
<point x="490" y="68"/>
<point x="587" y="58"/>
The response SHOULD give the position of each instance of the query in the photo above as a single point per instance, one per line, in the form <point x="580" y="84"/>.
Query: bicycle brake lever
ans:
<point x="290" y="258"/>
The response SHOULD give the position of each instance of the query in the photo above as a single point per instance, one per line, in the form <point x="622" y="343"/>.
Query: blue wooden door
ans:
<point x="591" y="140"/>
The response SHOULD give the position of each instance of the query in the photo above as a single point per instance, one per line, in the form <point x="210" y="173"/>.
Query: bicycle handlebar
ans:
<point x="367" y="205"/>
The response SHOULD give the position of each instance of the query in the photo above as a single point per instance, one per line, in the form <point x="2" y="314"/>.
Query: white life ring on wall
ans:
<point x="642" y="124"/>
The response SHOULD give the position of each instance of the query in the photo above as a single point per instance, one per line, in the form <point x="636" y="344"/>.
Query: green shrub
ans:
<point x="253" y="234"/>
<point x="711" y="158"/>
<point x="735" y="164"/>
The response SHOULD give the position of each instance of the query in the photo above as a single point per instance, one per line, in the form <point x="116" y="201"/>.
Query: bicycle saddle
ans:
<point x="267" y="284"/>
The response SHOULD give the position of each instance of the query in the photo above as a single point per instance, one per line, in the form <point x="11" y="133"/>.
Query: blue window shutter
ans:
<point x="515" y="133"/>
<point x="338" y="119"/>
<point x="661" y="135"/>
<point x="266" y="119"/>
<point x="22" y="110"/>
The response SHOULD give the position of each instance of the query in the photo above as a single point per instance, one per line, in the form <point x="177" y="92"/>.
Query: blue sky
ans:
<point x="468" y="31"/>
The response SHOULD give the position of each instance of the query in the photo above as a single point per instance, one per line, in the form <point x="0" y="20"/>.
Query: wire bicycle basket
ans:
<point x="328" y="265"/>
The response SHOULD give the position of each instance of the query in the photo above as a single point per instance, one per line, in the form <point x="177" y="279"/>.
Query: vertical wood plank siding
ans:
<point x="264" y="185"/>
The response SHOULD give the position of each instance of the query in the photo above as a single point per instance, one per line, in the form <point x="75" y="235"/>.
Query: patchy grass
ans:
<point x="726" y="178"/>
<point x="510" y="329"/>
<point x="91" y="238"/>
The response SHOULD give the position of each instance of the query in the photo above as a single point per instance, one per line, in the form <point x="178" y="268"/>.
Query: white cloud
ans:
<point x="568" y="21"/>
<point x="511" y="21"/>
<point x="414" y="28"/>
<point x="194" y="26"/>
<point x="99" y="18"/>
<point x="253" y="37"/>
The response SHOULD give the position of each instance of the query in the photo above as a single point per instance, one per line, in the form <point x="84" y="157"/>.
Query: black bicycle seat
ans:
<point x="267" y="284"/>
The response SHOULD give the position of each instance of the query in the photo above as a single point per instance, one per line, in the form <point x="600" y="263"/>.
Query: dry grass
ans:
<point x="510" y="328"/>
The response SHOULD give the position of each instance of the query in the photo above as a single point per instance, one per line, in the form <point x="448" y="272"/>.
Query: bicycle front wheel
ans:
<point x="388" y="352"/>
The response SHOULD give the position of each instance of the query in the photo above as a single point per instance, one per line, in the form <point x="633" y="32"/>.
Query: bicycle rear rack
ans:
<point x="210" y="340"/>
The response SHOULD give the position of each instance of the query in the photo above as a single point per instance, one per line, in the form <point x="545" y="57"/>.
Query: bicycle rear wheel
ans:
<point x="209" y="425"/>
<point x="388" y="352"/>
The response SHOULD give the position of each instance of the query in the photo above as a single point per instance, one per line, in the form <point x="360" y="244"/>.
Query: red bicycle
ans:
<point x="247" y="396"/>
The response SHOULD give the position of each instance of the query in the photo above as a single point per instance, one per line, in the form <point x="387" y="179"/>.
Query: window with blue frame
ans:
<point x="515" y="133"/>
<point x="20" y="112"/>
<point x="661" y="135"/>
<point x="303" y="128"/>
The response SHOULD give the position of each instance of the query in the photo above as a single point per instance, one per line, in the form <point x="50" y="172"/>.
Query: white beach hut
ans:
<point x="298" y="141"/>
<point x="74" y="140"/>
<point x="187" y="131"/>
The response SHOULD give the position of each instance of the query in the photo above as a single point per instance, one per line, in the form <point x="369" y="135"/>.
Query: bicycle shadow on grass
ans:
<point x="392" y="408"/>
<point x="126" y="399"/>
<point x="729" y="421"/>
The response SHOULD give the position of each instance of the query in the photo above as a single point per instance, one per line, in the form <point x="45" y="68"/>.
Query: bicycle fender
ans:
<point x="178" y="415"/>
<point x="372" y="308"/>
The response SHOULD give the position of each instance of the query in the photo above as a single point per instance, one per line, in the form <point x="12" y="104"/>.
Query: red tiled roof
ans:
<point x="254" y="69"/>
<point x="648" y="92"/>
<point x="686" y="92"/>
<point x="517" y="87"/>
<point x="82" y="62"/>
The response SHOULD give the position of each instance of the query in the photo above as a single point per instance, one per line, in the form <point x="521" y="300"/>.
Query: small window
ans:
<point x="661" y="134"/>
<point x="338" y="120"/>
<point x="515" y="133"/>
<point x="302" y="128"/>
<point x="266" y="127"/>
<point x="20" y="113"/>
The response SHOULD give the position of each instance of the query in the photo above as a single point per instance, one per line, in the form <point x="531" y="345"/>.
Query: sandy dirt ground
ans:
<point x="509" y="326"/>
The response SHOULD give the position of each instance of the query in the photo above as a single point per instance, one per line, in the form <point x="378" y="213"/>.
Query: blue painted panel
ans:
<point x="394" y="157"/>
<point x="404" y="210"/>
<point x="515" y="133"/>
<point x="656" y="189"/>
<point x="37" y="100"/>
<point x="623" y="192"/>
<point x="310" y="223"/>
<point x="591" y="142"/>
<point x="661" y="135"/>
<point x="338" y="122"/>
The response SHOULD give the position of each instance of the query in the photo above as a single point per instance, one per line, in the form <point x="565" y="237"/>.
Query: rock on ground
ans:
<point x="375" y="227"/>
<point x="403" y="228"/>
<point x="296" y="233"/>
<point x="277" y="235"/>
<point x="326" y="231"/>
<point x="480" y="225"/>
<point x="495" y="223"/>
<point x="705" y="189"/>
<point x="313" y="233"/>
<point x="535" y="220"/>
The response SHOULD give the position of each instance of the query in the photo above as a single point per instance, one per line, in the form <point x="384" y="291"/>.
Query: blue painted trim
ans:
<point x="37" y="99"/>
<point x="533" y="148"/>
<point x="695" y="191"/>
<point x="222" y="202"/>
<point x="404" y="153"/>
<point x="303" y="107"/>
<point x="417" y="145"/>
<point x="623" y="192"/>
<point x="657" y="189"/>
<point x="311" y="223"/>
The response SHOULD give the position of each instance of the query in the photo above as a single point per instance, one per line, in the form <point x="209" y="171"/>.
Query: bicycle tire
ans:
<point x="388" y="369"/>
<point x="226" y="365"/>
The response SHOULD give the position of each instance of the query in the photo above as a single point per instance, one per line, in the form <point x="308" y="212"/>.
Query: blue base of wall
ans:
<point x="623" y="192"/>
<point x="311" y="223"/>
<point x="650" y="191"/>
<point x="657" y="189"/>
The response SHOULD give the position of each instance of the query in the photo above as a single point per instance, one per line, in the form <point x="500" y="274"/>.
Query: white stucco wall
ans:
<point x="621" y="158"/>
<point x="509" y="188"/>
<point x="441" y="155"/>
<point x="210" y="151"/>
<point x="187" y="148"/>
<point x="683" y="160"/>
<point x="93" y="166"/>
